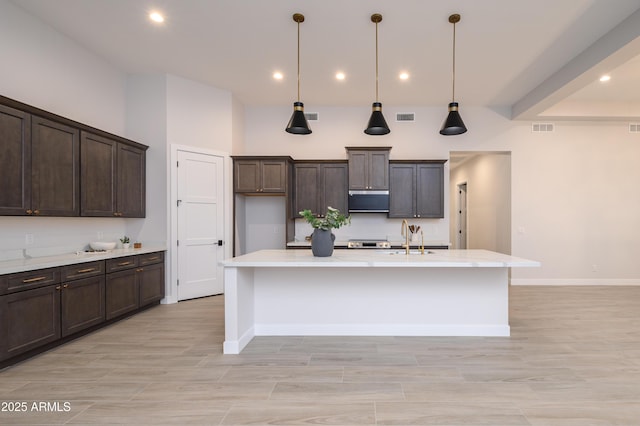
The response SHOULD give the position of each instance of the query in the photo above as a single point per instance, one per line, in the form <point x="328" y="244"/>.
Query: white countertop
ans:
<point x="30" y="264"/>
<point x="344" y="258"/>
<point x="307" y="244"/>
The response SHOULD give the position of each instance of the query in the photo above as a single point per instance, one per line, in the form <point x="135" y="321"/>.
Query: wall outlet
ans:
<point x="100" y="235"/>
<point x="28" y="239"/>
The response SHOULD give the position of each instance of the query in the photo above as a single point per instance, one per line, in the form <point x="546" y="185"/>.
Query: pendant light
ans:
<point x="298" y="124"/>
<point x="377" y="124"/>
<point x="453" y="125"/>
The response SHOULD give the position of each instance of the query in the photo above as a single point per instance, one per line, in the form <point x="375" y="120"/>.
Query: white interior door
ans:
<point x="200" y="211"/>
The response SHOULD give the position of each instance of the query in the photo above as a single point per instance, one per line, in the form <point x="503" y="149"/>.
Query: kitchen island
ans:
<point x="367" y="293"/>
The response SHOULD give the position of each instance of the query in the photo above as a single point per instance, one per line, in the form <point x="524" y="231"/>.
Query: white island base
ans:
<point x="291" y="293"/>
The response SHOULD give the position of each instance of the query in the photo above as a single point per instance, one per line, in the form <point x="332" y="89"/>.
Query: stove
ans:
<point x="368" y="244"/>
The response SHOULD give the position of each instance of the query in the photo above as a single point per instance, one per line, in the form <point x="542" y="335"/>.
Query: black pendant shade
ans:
<point x="377" y="124"/>
<point x="298" y="124"/>
<point x="453" y="125"/>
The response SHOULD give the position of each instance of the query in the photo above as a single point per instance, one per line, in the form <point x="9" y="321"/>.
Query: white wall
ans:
<point x="146" y="123"/>
<point x="575" y="203"/>
<point x="264" y="223"/>
<point x="198" y="115"/>
<point x="488" y="179"/>
<point x="46" y="69"/>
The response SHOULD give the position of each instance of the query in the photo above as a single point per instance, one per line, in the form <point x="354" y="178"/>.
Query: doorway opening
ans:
<point x="461" y="242"/>
<point x="480" y="200"/>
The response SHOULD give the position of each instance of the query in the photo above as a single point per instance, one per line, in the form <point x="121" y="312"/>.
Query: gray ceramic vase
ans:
<point x="322" y="243"/>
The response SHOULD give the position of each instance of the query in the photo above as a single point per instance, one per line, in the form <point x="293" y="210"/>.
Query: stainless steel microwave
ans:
<point x="368" y="201"/>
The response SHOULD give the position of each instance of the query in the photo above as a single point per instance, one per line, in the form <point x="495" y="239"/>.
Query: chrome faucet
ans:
<point x="405" y="233"/>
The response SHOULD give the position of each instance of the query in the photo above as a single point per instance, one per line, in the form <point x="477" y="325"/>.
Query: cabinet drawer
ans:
<point x="82" y="270"/>
<point x="121" y="263"/>
<point x="151" y="258"/>
<point x="28" y="280"/>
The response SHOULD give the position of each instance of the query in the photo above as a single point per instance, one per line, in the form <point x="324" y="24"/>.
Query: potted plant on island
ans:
<point x="322" y="237"/>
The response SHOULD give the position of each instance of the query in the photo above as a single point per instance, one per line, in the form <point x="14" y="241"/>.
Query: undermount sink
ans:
<point x="404" y="252"/>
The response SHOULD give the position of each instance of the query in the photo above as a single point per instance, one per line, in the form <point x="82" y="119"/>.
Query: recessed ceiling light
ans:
<point x="156" y="17"/>
<point x="278" y="75"/>
<point x="605" y="78"/>
<point x="340" y="75"/>
<point x="404" y="76"/>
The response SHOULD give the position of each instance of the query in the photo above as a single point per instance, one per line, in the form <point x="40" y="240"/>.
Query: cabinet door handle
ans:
<point x="33" y="280"/>
<point x="124" y="263"/>
<point x="36" y="212"/>
<point x="65" y="286"/>
<point x="139" y="269"/>
<point x="29" y="211"/>
<point x="58" y="287"/>
<point x="83" y="271"/>
<point x="158" y="258"/>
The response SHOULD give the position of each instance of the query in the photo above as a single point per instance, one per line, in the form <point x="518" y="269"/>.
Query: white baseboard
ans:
<point x="577" y="281"/>
<point x="382" y="330"/>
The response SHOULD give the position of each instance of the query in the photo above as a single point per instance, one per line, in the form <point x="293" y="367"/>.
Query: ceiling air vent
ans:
<point x="406" y="116"/>
<point x="311" y="116"/>
<point x="542" y="127"/>
<point x="634" y="127"/>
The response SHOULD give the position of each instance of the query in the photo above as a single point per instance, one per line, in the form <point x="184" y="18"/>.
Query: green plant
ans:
<point x="333" y="219"/>
<point x="125" y="240"/>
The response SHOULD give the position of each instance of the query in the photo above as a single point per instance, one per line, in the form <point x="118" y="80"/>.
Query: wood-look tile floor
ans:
<point x="573" y="359"/>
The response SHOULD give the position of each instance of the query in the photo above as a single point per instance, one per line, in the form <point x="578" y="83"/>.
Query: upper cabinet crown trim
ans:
<point x="66" y="121"/>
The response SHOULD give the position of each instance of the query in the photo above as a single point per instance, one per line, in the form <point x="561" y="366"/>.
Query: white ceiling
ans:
<point x="524" y="56"/>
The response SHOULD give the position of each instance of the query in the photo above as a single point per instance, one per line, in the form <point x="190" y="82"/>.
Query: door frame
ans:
<point x="172" y="209"/>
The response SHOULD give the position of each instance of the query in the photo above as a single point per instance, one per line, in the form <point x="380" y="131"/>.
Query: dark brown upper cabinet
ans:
<point x="261" y="175"/>
<point x="416" y="189"/>
<point x="15" y="161"/>
<point x="40" y="161"/>
<point x="113" y="178"/>
<point x="368" y="168"/>
<point x="318" y="185"/>
<point x="53" y="166"/>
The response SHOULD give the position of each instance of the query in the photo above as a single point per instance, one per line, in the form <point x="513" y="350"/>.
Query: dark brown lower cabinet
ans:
<point x="122" y="293"/>
<point x="30" y="319"/>
<point x="82" y="304"/>
<point x="151" y="283"/>
<point x="137" y="281"/>
<point x="41" y="307"/>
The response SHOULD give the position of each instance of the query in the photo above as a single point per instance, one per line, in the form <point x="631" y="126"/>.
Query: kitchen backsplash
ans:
<point x="379" y="226"/>
<point x="47" y="236"/>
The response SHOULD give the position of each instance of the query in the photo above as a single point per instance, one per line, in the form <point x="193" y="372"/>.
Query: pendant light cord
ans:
<point x="298" y="61"/>
<point x="376" y="62"/>
<point x="453" y="84"/>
